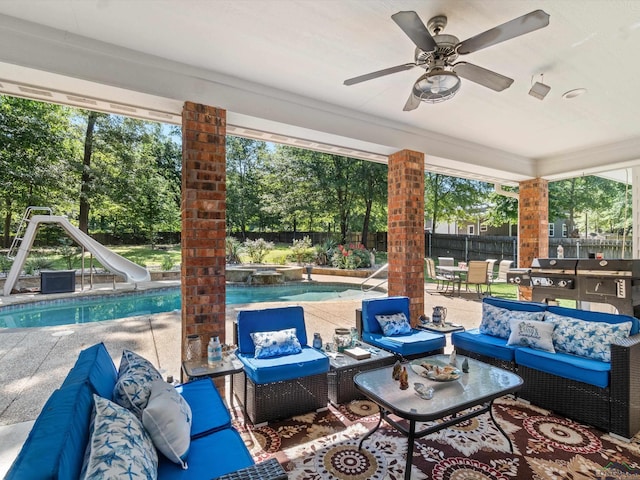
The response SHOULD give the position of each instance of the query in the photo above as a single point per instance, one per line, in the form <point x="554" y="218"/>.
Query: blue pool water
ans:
<point x="110" y="307"/>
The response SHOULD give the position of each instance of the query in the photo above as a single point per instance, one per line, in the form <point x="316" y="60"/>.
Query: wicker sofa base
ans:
<point x="496" y="362"/>
<point x="277" y="400"/>
<point x="579" y="401"/>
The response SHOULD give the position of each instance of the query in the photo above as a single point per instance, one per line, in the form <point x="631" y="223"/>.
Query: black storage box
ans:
<point x="57" y="281"/>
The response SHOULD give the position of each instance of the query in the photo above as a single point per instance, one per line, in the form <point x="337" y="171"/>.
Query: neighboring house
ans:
<point x="474" y="228"/>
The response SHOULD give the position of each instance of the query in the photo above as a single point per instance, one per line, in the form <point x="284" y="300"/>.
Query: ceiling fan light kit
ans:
<point x="436" y="53"/>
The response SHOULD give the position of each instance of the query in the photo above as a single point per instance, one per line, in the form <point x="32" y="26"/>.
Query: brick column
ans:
<point x="406" y="228"/>
<point x="203" y="222"/>
<point x="533" y="225"/>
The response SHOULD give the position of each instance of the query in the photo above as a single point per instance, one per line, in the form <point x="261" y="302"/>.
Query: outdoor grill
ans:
<point x="611" y="281"/>
<point x="519" y="276"/>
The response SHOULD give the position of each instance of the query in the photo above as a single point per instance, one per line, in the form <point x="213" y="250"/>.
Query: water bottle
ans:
<point x="214" y="351"/>
<point x="560" y="251"/>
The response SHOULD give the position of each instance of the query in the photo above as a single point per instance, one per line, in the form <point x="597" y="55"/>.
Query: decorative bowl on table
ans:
<point x="436" y="370"/>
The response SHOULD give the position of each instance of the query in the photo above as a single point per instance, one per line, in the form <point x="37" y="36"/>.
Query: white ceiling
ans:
<point x="277" y="67"/>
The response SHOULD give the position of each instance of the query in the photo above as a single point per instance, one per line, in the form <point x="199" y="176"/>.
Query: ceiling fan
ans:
<point x="437" y="54"/>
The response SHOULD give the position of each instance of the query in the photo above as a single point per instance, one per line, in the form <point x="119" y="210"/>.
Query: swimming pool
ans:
<point x="88" y="309"/>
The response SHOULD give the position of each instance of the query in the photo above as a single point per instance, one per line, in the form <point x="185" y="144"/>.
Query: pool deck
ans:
<point x="35" y="361"/>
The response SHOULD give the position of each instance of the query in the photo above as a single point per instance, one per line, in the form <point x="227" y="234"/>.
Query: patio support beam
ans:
<point x="533" y="225"/>
<point x="203" y="222"/>
<point x="406" y="228"/>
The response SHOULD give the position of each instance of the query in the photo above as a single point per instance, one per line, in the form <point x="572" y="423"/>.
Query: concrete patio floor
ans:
<point x="35" y="361"/>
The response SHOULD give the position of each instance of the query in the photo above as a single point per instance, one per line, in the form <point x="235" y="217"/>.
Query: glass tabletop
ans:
<point x="483" y="383"/>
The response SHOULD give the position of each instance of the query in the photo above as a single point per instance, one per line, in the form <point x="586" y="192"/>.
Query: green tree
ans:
<point x="452" y="199"/>
<point x="245" y="164"/>
<point x="35" y="145"/>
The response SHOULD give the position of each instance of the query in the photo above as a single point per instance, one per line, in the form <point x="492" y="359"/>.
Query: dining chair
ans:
<point x="442" y="279"/>
<point x="477" y="275"/>
<point x="490" y="265"/>
<point x="503" y="268"/>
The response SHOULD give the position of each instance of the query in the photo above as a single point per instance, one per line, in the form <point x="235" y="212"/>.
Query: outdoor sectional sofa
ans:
<point x="55" y="447"/>
<point x="581" y="364"/>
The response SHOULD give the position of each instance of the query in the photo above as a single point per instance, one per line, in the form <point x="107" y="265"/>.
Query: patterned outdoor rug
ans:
<point x="324" y="445"/>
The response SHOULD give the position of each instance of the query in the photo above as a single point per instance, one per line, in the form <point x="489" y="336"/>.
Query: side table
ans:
<point x="343" y="368"/>
<point x="201" y="369"/>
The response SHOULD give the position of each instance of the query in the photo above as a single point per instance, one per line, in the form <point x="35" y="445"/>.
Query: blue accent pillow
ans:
<point x="394" y="324"/>
<point x="133" y="388"/>
<point x="532" y="334"/>
<point x="496" y="320"/>
<point x="119" y="446"/>
<point x="275" y="344"/>
<point x="584" y="338"/>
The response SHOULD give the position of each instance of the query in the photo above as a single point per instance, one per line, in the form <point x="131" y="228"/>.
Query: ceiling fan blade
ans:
<point x="411" y="24"/>
<point x="379" y="73"/>
<point x="413" y="102"/>
<point x="516" y="27"/>
<point x="482" y="76"/>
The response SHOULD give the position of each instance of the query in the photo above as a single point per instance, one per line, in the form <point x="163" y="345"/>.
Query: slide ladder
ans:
<point x="17" y="240"/>
<point x="132" y="272"/>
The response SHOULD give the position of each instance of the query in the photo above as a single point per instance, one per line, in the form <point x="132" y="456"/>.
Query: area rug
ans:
<point x="324" y="446"/>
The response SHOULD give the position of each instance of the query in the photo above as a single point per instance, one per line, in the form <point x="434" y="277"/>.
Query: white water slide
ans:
<point x="132" y="272"/>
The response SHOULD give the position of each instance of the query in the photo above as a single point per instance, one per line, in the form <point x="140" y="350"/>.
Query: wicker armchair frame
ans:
<point x="267" y="470"/>
<point x="276" y="400"/>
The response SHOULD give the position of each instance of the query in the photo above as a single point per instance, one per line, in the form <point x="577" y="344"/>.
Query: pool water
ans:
<point x="110" y="307"/>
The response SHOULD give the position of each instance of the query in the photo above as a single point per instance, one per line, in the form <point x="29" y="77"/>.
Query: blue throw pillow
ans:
<point x="496" y="320"/>
<point x="119" y="446"/>
<point x="584" y="338"/>
<point x="275" y="344"/>
<point x="394" y="324"/>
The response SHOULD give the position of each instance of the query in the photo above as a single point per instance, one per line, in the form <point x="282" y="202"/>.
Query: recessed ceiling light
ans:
<point x="576" y="92"/>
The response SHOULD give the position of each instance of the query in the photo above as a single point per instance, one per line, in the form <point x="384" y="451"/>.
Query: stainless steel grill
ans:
<point x="611" y="281"/>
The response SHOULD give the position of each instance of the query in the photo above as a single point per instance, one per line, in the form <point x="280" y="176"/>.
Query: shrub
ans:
<point x="279" y="258"/>
<point x="233" y="249"/>
<point x="351" y="257"/>
<point x="5" y="265"/>
<point x="67" y="251"/>
<point x="257" y="249"/>
<point x="302" y="250"/>
<point x="324" y="251"/>
<point x="36" y="264"/>
<point x="167" y="263"/>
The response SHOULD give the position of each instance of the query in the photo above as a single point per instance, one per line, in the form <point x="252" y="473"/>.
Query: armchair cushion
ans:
<point x="381" y="306"/>
<point x="275" y="369"/>
<point x="414" y="343"/>
<point x="395" y="324"/>
<point x="274" y="344"/>
<point x="269" y="320"/>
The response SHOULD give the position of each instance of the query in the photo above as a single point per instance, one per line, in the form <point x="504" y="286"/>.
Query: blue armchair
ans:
<point x="414" y="344"/>
<point x="283" y="383"/>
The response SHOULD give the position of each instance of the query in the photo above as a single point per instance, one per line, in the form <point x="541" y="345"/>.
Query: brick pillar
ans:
<point x="203" y="222"/>
<point x="405" y="247"/>
<point x="533" y="225"/>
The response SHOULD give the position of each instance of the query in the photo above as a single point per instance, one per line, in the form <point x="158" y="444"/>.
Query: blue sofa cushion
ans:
<point x="586" y="338"/>
<point x="94" y="365"/>
<point x="267" y="320"/>
<point x="580" y="369"/>
<point x="482" y="344"/>
<point x="209" y="457"/>
<point x="208" y="411"/>
<point x="381" y="306"/>
<point x="267" y="370"/>
<point x="55" y="446"/>
<point x="415" y="343"/>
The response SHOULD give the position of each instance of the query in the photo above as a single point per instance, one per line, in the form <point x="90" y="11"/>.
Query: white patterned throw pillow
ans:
<point x="496" y="320"/>
<point x="119" y="446"/>
<point x="532" y="334"/>
<point x="394" y="324"/>
<point x="585" y="338"/>
<point x="133" y="387"/>
<point x="167" y="418"/>
<point x="275" y="344"/>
